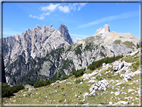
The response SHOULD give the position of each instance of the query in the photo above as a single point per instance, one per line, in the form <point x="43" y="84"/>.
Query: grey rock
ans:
<point x="101" y="85"/>
<point x="116" y="66"/>
<point x="31" y="88"/>
<point x="106" y="27"/>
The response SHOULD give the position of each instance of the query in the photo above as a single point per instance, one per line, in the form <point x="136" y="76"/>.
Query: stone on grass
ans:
<point x="24" y="95"/>
<point x="115" y="66"/>
<point x="117" y="93"/>
<point x="101" y="85"/>
<point x="123" y="102"/>
<point x="31" y="88"/>
<point x="110" y="103"/>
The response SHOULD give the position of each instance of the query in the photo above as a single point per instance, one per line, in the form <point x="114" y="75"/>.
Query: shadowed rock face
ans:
<point x="64" y="31"/>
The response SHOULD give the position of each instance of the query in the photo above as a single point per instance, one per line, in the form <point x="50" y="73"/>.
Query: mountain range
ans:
<point x="41" y="53"/>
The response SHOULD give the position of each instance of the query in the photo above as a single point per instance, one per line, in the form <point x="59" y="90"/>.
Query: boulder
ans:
<point x="101" y="85"/>
<point x="121" y="65"/>
<point x="118" y="65"/>
<point x="115" y="66"/>
<point x="31" y="88"/>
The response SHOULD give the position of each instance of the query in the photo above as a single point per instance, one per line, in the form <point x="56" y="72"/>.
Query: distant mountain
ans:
<point x="76" y="40"/>
<point x="41" y="52"/>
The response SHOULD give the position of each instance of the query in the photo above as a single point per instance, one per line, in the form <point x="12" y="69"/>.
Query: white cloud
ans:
<point x="81" y="5"/>
<point x="51" y="7"/>
<point x="109" y="18"/>
<point x="30" y="15"/>
<point x="41" y="17"/>
<point x="64" y="9"/>
<point x="46" y="13"/>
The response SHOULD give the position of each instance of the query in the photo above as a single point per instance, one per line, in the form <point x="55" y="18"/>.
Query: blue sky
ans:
<point x="81" y="19"/>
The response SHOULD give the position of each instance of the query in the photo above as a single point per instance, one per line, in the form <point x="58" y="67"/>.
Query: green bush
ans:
<point x="31" y="83"/>
<point x="99" y="78"/>
<point x="42" y="83"/>
<point x="97" y="64"/>
<point x="8" y="91"/>
<point x="64" y="77"/>
<point x="78" y="73"/>
<point x="78" y="81"/>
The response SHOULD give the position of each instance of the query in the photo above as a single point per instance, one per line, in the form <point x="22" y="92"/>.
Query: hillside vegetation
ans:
<point x="72" y="89"/>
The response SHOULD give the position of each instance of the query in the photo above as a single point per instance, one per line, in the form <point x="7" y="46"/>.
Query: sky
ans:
<point x="81" y="19"/>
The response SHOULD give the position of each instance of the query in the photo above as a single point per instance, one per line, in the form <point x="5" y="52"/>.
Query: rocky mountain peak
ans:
<point x="17" y="36"/>
<point x="37" y="26"/>
<point x="106" y="27"/>
<point x="103" y="31"/>
<point x="51" y="26"/>
<point x="64" y="31"/>
<point x="63" y="28"/>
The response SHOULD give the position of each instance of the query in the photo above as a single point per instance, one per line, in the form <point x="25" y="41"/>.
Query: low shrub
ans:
<point x="8" y="91"/>
<point x="78" y="81"/>
<point x="64" y="77"/>
<point x="31" y="83"/>
<point x="99" y="78"/>
<point x="78" y="73"/>
<point x="97" y="64"/>
<point x="42" y="83"/>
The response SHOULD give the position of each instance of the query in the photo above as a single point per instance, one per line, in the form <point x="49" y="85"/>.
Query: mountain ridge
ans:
<point x="63" y="56"/>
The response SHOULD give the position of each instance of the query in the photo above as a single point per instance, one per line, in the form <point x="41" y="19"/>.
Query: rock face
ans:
<point x="103" y="31"/>
<point x="106" y="27"/>
<point x="41" y="52"/>
<point x="36" y="43"/>
<point x="64" y="31"/>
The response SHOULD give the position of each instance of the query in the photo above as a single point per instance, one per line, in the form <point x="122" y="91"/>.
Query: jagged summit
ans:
<point x="64" y="31"/>
<point x="37" y="26"/>
<point x="39" y="41"/>
<point x="104" y="30"/>
<point x="106" y="27"/>
<point x="63" y="28"/>
<point x="51" y="26"/>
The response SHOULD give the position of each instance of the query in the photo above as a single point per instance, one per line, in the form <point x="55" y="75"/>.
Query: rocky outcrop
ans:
<point x="103" y="31"/>
<point x="101" y="85"/>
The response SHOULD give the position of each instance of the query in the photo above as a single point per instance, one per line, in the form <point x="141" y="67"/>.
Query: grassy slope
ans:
<point x="66" y="92"/>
